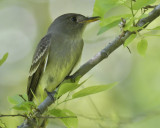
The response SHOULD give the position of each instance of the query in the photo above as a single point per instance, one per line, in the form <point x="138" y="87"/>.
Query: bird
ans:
<point x="57" y="53"/>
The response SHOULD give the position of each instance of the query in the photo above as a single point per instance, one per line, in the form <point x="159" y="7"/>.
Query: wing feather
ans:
<point x="38" y="65"/>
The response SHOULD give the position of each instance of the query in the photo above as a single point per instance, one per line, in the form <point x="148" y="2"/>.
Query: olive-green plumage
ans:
<point x="57" y="53"/>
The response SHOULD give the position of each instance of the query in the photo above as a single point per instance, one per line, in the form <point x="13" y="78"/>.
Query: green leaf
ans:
<point x="109" y="26"/>
<point x="129" y="39"/>
<point x="2" y="125"/>
<point x="15" y="99"/>
<point x="70" y="121"/>
<point x="142" y="3"/>
<point x="142" y="16"/>
<point x="82" y="83"/>
<point x="101" y="7"/>
<point x="66" y="87"/>
<point x="78" y="85"/>
<point x="132" y="29"/>
<point x="25" y="96"/>
<point x="112" y="19"/>
<point x="19" y="103"/>
<point x="4" y="58"/>
<point x="142" y="46"/>
<point x="92" y="90"/>
<point x="129" y="24"/>
<point x="24" y="106"/>
<point x="150" y="34"/>
<point x="156" y="28"/>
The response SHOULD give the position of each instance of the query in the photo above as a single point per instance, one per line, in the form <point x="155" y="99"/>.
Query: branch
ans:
<point x="44" y="117"/>
<point x="21" y="115"/>
<point x="104" y="53"/>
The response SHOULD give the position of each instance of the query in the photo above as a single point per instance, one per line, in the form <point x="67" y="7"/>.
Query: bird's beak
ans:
<point x="89" y="19"/>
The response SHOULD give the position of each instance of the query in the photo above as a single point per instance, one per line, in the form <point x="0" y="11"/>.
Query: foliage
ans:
<point x="138" y="10"/>
<point x="21" y="103"/>
<point x="142" y="3"/>
<point x="92" y="90"/>
<point x="70" y="122"/>
<point x="67" y="86"/>
<point x="4" y="58"/>
<point x="69" y="118"/>
<point x="102" y="6"/>
<point x="142" y="46"/>
<point x="2" y="125"/>
<point x="129" y="39"/>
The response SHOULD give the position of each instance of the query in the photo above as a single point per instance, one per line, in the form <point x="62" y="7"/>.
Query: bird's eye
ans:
<point x="74" y="19"/>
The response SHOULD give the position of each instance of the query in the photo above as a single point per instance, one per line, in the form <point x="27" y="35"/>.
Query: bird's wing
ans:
<point x="39" y="63"/>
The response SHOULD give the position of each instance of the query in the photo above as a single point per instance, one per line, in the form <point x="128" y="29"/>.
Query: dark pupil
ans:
<point x="74" y="19"/>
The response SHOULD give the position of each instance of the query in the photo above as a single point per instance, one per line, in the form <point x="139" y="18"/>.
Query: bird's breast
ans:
<point x="63" y="56"/>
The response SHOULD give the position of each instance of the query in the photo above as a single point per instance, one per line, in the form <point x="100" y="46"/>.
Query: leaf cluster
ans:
<point x="137" y="9"/>
<point x="69" y="118"/>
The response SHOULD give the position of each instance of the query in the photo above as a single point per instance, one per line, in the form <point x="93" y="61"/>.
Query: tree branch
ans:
<point x="104" y="53"/>
<point x="21" y="115"/>
<point x="45" y="117"/>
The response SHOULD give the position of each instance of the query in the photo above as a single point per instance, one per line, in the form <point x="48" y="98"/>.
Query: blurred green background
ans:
<point x="133" y="103"/>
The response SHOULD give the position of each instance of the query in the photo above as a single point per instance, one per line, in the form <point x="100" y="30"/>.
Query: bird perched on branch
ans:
<point x="57" y="53"/>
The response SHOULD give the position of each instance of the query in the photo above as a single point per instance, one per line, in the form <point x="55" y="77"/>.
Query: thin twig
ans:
<point x="94" y="106"/>
<point x="22" y="97"/>
<point x="14" y="115"/>
<point x="129" y="49"/>
<point x="25" y="116"/>
<point x="53" y="117"/>
<point x="132" y="13"/>
<point x="92" y="117"/>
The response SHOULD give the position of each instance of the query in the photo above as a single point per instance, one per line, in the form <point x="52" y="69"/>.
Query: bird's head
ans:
<point x="71" y="23"/>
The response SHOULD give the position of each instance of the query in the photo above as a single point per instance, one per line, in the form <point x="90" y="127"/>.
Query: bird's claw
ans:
<point x="73" y="80"/>
<point x="51" y="94"/>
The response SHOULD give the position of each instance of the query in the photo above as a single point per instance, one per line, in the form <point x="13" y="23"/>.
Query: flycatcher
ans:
<point x="57" y="53"/>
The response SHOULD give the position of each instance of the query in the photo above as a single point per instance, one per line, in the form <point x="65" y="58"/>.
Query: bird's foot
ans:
<point x="51" y="94"/>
